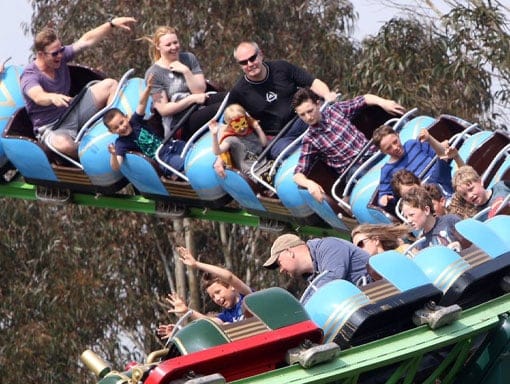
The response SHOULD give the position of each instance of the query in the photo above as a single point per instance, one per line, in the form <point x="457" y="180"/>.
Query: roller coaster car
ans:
<point x="351" y="315"/>
<point x="256" y="192"/>
<point x="364" y="196"/>
<point x="275" y="326"/>
<point x="11" y="99"/>
<point x="332" y="209"/>
<point x="44" y="167"/>
<point x="196" y="186"/>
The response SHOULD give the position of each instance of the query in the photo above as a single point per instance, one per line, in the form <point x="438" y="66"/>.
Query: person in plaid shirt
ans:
<point x="331" y="136"/>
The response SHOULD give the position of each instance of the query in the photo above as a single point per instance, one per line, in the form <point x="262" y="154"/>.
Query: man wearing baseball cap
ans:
<point x="299" y="259"/>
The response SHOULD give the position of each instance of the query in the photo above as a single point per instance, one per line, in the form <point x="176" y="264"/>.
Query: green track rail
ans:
<point x="135" y="203"/>
<point x="403" y="353"/>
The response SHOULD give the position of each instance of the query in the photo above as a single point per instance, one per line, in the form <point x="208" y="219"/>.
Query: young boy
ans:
<point x="468" y="184"/>
<point x="134" y="135"/>
<point x="223" y="287"/>
<point x="403" y="180"/>
<point x="332" y="136"/>
<point x="414" y="156"/>
<point x="438" y="199"/>
<point x="418" y="210"/>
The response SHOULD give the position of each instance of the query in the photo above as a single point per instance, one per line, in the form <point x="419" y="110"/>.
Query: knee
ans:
<point x="110" y="85"/>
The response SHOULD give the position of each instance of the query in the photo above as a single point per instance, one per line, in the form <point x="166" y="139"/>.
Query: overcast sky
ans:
<point x="14" y="43"/>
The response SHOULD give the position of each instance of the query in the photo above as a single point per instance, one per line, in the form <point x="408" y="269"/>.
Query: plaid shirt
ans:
<point x="335" y="139"/>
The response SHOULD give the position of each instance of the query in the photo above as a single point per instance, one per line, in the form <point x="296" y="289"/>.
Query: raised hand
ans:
<point x="186" y="257"/>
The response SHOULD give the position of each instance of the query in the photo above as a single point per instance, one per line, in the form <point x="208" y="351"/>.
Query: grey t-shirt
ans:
<point x="442" y="233"/>
<point x="341" y="258"/>
<point x="173" y="83"/>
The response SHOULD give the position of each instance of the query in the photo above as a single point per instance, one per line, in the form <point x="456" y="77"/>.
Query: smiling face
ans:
<point x="225" y="297"/>
<point x="52" y="54"/>
<point x="309" y="112"/>
<point x="119" y="124"/>
<point x="392" y="146"/>
<point x="250" y="60"/>
<point x="169" y="46"/>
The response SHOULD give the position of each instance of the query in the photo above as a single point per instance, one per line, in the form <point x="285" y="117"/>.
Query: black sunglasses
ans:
<point x="361" y="243"/>
<point x="250" y="59"/>
<point x="55" y="53"/>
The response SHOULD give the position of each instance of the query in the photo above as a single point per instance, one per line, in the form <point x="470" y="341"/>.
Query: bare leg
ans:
<point x="103" y="92"/>
<point x="65" y="144"/>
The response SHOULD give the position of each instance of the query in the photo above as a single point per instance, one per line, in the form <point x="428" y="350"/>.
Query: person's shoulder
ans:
<point x="502" y="184"/>
<point x="30" y="69"/>
<point x="280" y="64"/>
<point x="449" y="218"/>
<point x="187" y="54"/>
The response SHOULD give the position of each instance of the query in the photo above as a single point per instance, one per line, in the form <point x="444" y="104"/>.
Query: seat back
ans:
<point x="199" y="335"/>
<point x="441" y="265"/>
<point x="399" y="270"/>
<point x="483" y="236"/>
<point x="276" y="307"/>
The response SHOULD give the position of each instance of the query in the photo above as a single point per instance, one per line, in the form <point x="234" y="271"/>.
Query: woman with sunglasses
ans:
<point x="377" y="238"/>
<point x="179" y="84"/>
<point x="46" y="84"/>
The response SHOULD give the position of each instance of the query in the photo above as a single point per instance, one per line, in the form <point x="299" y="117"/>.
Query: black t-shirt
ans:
<point x="140" y="139"/>
<point x="269" y="100"/>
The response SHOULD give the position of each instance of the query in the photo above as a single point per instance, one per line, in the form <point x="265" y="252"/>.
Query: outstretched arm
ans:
<point x="144" y="97"/>
<point x="179" y="308"/>
<point x="389" y="106"/>
<point x="98" y="34"/>
<point x="321" y="88"/>
<point x="425" y="136"/>
<point x="224" y="274"/>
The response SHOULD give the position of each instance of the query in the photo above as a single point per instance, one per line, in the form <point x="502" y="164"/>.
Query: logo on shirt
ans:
<point x="271" y="96"/>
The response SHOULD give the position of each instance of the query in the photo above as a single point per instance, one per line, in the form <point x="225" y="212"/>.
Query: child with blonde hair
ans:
<point x="240" y="140"/>
<point x="469" y="185"/>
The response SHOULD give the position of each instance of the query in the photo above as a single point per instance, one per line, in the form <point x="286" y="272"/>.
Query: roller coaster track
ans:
<point x="481" y="334"/>
<point x="140" y="204"/>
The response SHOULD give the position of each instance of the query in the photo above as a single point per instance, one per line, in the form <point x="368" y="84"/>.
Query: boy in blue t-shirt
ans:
<point x="223" y="287"/>
<point x="134" y="135"/>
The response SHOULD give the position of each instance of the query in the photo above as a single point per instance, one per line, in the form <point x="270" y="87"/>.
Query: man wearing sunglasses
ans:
<point x="331" y="257"/>
<point x="46" y="85"/>
<point x="266" y="90"/>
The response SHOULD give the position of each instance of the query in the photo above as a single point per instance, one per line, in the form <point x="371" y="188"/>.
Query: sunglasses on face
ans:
<point x="361" y="243"/>
<point x="250" y="59"/>
<point x="56" y="53"/>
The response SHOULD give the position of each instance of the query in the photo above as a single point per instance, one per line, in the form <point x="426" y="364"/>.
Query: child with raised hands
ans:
<point x="223" y="287"/>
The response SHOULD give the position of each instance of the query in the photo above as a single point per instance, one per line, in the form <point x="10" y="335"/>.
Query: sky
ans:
<point x="13" y="43"/>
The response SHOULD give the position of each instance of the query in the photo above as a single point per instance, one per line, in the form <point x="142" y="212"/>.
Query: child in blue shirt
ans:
<point x="135" y="135"/>
<point x="223" y="287"/>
